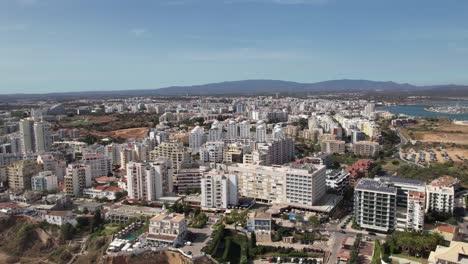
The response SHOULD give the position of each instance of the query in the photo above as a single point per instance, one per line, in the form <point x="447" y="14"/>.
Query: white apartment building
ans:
<point x="260" y="132"/>
<point x="26" y="127"/>
<point x="149" y="181"/>
<point x="218" y="190"/>
<point x="389" y="203"/>
<point x="440" y="195"/>
<point x="196" y="138"/>
<point x="42" y="136"/>
<point x="99" y="163"/>
<point x="300" y="185"/>
<point x="44" y="181"/>
<point x="212" y="152"/>
<point x="244" y="129"/>
<point x="232" y="130"/>
<point x="216" y="132"/>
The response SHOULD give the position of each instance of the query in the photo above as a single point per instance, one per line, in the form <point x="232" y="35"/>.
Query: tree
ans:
<point x="67" y="231"/>
<point x="97" y="219"/>
<point x="253" y="240"/>
<point x="314" y="220"/>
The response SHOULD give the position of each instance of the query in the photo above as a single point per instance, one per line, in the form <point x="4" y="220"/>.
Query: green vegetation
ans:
<point x="213" y="246"/>
<point x="414" y="244"/>
<point x="458" y="170"/>
<point x="199" y="221"/>
<point x="376" y="259"/>
<point x="237" y="218"/>
<point x="355" y="251"/>
<point x="67" y="231"/>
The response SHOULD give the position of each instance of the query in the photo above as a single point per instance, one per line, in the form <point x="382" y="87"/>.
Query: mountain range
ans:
<point x="258" y="87"/>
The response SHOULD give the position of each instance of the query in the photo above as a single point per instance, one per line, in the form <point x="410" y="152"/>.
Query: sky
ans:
<point x="81" y="45"/>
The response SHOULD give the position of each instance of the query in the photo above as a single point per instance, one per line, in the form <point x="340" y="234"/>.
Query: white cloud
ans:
<point x="139" y="32"/>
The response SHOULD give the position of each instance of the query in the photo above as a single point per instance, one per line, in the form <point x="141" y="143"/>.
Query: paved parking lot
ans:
<point x="201" y="238"/>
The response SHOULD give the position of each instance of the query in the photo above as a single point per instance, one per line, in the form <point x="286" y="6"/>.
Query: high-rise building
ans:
<point x="174" y="151"/>
<point x="337" y="180"/>
<point x="26" y="127"/>
<point x="244" y="129"/>
<point x="218" y="190"/>
<point x="390" y="203"/>
<point x="100" y="164"/>
<point x="260" y="132"/>
<point x="196" y="138"/>
<point x="366" y="148"/>
<point x="77" y="179"/>
<point x="232" y="130"/>
<point x="20" y="174"/>
<point x="216" y="132"/>
<point x="42" y="136"/>
<point x="148" y="181"/>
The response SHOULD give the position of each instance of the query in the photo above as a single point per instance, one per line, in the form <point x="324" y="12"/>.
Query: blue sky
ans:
<point x="78" y="45"/>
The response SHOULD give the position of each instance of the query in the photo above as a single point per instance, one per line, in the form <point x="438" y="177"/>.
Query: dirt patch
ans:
<point x="160" y="257"/>
<point x="441" y="137"/>
<point x="137" y="133"/>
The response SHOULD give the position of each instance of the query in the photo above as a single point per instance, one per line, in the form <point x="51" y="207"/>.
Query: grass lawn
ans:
<point x="420" y="260"/>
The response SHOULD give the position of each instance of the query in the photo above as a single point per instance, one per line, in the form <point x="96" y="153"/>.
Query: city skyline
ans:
<point x="62" y="46"/>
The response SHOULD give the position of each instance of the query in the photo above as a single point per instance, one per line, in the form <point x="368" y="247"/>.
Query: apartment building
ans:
<point x="148" y="181"/>
<point x="20" y="174"/>
<point x="44" y="181"/>
<point x="100" y="164"/>
<point x="390" y="203"/>
<point x="375" y="205"/>
<point x="337" y="180"/>
<point x="196" y="138"/>
<point x="366" y="148"/>
<point x="333" y="146"/>
<point x="188" y="179"/>
<point x="169" y="229"/>
<point x="440" y="194"/>
<point x="411" y="196"/>
<point x="212" y="152"/>
<point x="78" y="178"/>
<point x="218" y="190"/>
<point x="174" y="151"/>
<point x="297" y="185"/>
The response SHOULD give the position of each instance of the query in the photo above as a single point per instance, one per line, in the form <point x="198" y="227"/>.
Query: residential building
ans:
<point x="456" y="252"/>
<point x="26" y="127"/>
<point x="174" y="151"/>
<point x="212" y="152"/>
<point x="167" y="229"/>
<point x="196" y="138"/>
<point x="359" y="169"/>
<point x="44" y="181"/>
<point x="366" y="148"/>
<point x="375" y="205"/>
<point x="77" y="179"/>
<point x="42" y="136"/>
<point x="333" y="146"/>
<point x="218" y="190"/>
<point x="148" y="181"/>
<point x="440" y="195"/>
<point x="188" y="180"/>
<point x="337" y="180"/>
<point x="259" y="221"/>
<point x="20" y="174"/>
<point x="100" y="164"/>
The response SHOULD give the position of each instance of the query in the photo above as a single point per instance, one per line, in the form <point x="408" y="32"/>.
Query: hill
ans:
<point x="255" y="87"/>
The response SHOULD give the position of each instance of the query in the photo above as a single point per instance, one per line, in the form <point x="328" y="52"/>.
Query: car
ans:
<point x="372" y="233"/>
<point x="342" y="232"/>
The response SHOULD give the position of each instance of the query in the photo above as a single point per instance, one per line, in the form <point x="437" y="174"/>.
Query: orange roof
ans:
<point x="447" y="229"/>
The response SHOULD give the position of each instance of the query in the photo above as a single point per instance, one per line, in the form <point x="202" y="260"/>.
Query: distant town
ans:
<point x="234" y="179"/>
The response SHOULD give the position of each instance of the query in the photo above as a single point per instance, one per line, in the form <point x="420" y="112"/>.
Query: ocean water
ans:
<point x="418" y="111"/>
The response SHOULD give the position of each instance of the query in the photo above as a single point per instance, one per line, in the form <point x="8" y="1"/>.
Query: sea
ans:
<point x="418" y="110"/>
